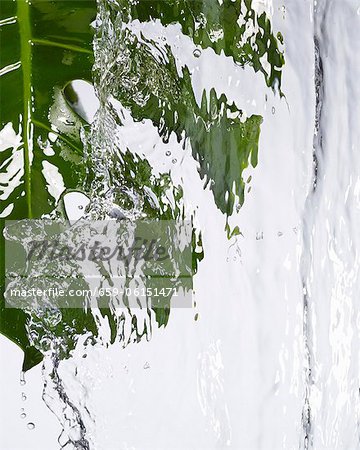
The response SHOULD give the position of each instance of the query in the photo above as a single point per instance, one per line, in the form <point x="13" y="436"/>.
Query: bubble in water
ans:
<point x="358" y="11"/>
<point x="146" y="365"/>
<point x="197" y="53"/>
<point x="168" y="153"/>
<point x="174" y="161"/>
<point x="273" y="110"/>
<point x="31" y="425"/>
<point x="23" y="397"/>
<point x="23" y="415"/>
<point x="80" y="207"/>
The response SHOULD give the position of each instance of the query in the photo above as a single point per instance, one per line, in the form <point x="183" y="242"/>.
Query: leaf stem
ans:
<point x="23" y="14"/>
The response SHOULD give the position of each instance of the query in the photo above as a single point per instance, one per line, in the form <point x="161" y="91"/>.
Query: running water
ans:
<point x="268" y="357"/>
<point x="330" y="267"/>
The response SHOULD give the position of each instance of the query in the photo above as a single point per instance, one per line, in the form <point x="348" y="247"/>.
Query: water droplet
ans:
<point x="168" y="153"/>
<point x="23" y="397"/>
<point x="23" y="415"/>
<point x="197" y="53"/>
<point x="22" y="379"/>
<point x="31" y="425"/>
<point x="174" y="161"/>
<point x="273" y="110"/>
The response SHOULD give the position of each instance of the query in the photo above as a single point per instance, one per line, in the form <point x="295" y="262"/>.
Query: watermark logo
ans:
<point x="98" y="264"/>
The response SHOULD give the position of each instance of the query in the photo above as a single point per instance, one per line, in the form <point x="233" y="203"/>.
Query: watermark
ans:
<point x="98" y="264"/>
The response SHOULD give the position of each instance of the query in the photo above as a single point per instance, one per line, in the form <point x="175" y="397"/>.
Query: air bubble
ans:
<point x="273" y="110"/>
<point x="23" y="397"/>
<point x="23" y="415"/>
<point x="168" y="153"/>
<point x="197" y="53"/>
<point x="80" y="207"/>
<point x="31" y="426"/>
<point x="174" y="161"/>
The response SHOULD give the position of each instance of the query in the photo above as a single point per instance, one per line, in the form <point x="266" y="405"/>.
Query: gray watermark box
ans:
<point x="98" y="264"/>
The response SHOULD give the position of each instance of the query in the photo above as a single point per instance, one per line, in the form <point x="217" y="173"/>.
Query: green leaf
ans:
<point x="45" y="44"/>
